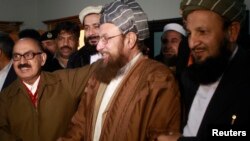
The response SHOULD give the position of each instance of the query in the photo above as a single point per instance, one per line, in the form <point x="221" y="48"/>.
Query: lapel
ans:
<point x="46" y="79"/>
<point x="98" y="101"/>
<point x="188" y="90"/>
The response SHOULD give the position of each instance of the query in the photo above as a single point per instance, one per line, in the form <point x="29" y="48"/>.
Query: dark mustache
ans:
<point x="198" y="48"/>
<point x="67" y="47"/>
<point x="24" y="66"/>
<point x="93" y="37"/>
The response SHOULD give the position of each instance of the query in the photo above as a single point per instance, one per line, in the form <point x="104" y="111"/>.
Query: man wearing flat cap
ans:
<point x="49" y="46"/>
<point x="48" y="42"/>
<point x="129" y="97"/>
<point x="90" y="19"/>
<point x="216" y="87"/>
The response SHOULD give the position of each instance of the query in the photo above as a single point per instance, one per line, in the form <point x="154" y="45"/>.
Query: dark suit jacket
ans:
<point x="52" y="65"/>
<point x="81" y="57"/>
<point x="11" y="76"/>
<point x="230" y="98"/>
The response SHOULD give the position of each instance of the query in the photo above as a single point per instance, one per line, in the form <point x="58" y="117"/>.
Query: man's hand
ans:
<point x="173" y="137"/>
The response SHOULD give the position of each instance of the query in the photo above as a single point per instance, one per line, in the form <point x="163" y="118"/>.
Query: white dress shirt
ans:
<point x="198" y="108"/>
<point x="3" y="74"/>
<point x="95" y="57"/>
<point x="34" y="86"/>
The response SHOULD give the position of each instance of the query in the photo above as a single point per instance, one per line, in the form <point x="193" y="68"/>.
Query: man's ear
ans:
<point x="233" y="31"/>
<point x="131" y="39"/>
<point x="44" y="58"/>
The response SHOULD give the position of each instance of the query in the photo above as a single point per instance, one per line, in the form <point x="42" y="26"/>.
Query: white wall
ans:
<point x="247" y="3"/>
<point x="156" y="9"/>
<point x="33" y="12"/>
<point x="20" y="10"/>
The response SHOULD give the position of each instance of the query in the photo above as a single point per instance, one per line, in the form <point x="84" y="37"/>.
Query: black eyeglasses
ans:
<point x="28" y="55"/>
<point x="105" y="39"/>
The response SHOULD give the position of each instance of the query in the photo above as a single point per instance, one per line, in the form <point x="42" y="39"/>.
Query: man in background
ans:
<point x="174" y="48"/>
<point x="7" y="73"/>
<point x="67" y="39"/>
<point x="90" y="18"/>
<point x="49" y="43"/>
<point x="171" y="38"/>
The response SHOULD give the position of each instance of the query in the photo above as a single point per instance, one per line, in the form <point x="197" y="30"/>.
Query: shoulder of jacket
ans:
<point x="11" y="90"/>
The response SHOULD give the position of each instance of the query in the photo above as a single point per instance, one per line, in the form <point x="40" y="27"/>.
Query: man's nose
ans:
<point x="193" y="41"/>
<point x="100" y="45"/>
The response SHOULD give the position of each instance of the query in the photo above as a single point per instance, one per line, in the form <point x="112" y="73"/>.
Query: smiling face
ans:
<point x="170" y="43"/>
<point x="28" y="70"/>
<point x="206" y="33"/>
<point x="91" y="28"/>
<point x="111" y="44"/>
<point x="113" y="49"/>
<point x="212" y="41"/>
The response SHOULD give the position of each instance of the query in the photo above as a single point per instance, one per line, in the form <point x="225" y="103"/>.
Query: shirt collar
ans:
<point x="33" y="87"/>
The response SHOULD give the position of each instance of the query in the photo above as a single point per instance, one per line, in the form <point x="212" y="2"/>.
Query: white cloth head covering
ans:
<point x="175" y="27"/>
<point x="89" y="10"/>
